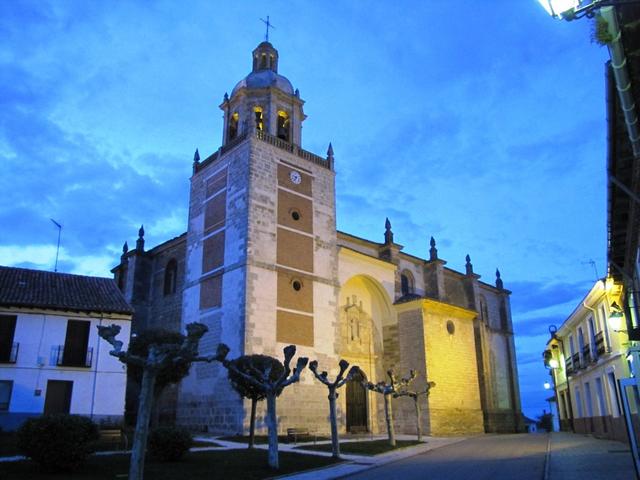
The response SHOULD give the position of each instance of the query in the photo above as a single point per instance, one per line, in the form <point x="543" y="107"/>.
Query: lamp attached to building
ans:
<point x="615" y="318"/>
<point x="573" y="9"/>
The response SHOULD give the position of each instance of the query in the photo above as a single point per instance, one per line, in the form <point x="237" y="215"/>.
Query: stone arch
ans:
<point x="365" y="303"/>
<point x="365" y="309"/>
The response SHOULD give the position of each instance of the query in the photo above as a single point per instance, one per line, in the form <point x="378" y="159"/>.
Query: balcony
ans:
<point x="73" y="357"/>
<point x="586" y="356"/>
<point x="575" y="359"/>
<point x="600" y="346"/>
<point x="9" y="353"/>
<point x="569" y="366"/>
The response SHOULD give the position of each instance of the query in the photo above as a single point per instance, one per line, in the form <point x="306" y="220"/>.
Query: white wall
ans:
<point x="98" y="390"/>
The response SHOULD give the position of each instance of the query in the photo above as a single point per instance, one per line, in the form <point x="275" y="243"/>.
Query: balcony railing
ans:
<point x="569" y="366"/>
<point x="586" y="355"/>
<point x="575" y="359"/>
<point x="600" y="346"/>
<point x="10" y="355"/>
<point x="73" y="358"/>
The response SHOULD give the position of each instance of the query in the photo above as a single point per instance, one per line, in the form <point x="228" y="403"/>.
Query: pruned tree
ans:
<point x="333" y="395"/>
<point x="169" y="375"/>
<point x="403" y="391"/>
<point x="248" y="389"/>
<point x="387" y="390"/>
<point x="159" y="356"/>
<point x="262" y="380"/>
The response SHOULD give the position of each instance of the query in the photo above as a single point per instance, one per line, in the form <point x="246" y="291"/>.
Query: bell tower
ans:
<point x="264" y="101"/>
<point x="262" y="265"/>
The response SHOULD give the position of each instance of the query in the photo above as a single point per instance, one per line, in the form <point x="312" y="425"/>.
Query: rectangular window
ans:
<point x="75" y="352"/>
<point x="6" y="386"/>
<point x="7" y="332"/>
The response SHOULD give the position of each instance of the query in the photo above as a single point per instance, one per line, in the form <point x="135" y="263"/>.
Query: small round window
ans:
<point x="295" y="214"/>
<point x="451" y="327"/>
<point x="297" y="285"/>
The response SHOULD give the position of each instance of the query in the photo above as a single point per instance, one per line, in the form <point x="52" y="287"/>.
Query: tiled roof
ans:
<point x="21" y="287"/>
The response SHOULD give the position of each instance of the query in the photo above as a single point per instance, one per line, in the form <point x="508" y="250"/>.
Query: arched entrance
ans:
<point x="356" y="405"/>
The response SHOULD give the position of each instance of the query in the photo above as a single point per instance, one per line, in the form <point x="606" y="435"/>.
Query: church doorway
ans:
<point x="356" y="405"/>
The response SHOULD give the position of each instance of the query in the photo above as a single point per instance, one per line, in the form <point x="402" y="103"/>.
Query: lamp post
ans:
<point x="573" y="9"/>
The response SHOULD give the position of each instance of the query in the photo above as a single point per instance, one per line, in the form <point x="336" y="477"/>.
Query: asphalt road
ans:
<point x="489" y="457"/>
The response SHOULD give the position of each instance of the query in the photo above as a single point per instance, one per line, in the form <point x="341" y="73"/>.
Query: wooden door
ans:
<point x="356" y="405"/>
<point x="58" y="398"/>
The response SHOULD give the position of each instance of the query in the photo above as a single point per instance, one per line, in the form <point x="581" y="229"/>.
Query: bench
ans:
<point x="294" y="433"/>
<point x="114" y="436"/>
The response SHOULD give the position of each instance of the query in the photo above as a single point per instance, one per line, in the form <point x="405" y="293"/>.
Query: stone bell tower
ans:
<point x="261" y="261"/>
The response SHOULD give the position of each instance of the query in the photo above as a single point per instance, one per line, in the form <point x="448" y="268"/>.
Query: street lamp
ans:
<point x="573" y="9"/>
<point x="615" y="318"/>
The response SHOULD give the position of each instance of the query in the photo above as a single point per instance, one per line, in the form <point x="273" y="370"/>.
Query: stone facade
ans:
<point x="262" y="265"/>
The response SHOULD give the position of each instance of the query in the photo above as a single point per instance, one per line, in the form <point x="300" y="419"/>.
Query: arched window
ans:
<point x="170" y="277"/>
<point x="283" y="126"/>
<point x="263" y="61"/>
<point x="232" y="131"/>
<point x="406" y="283"/>
<point x="259" y="119"/>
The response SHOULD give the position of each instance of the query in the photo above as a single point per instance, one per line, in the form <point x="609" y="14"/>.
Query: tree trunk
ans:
<point x="335" y="441"/>
<point x="272" y="425"/>
<point x="388" y="416"/>
<point x="252" y="424"/>
<point x="136" y="469"/>
<point x="416" y="401"/>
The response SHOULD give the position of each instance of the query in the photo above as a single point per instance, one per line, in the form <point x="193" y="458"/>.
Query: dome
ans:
<point x="264" y="79"/>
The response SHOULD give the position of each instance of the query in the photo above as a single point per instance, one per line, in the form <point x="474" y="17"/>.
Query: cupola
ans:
<point x="263" y="101"/>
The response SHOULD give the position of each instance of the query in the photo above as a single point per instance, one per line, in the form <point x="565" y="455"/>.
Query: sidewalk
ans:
<point x="358" y="463"/>
<point x="578" y="457"/>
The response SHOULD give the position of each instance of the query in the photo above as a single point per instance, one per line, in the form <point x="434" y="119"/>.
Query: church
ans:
<point x="263" y="266"/>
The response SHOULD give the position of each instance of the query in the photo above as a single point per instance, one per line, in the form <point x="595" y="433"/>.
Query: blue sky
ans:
<point x="480" y="123"/>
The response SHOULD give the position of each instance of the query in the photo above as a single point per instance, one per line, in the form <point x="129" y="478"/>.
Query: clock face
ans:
<point x="295" y="177"/>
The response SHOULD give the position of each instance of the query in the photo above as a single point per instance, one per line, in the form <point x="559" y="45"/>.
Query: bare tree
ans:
<point x="403" y="391"/>
<point x="333" y="395"/>
<point x="272" y="388"/>
<point x="387" y="390"/>
<point x="247" y="389"/>
<point x="159" y="357"/>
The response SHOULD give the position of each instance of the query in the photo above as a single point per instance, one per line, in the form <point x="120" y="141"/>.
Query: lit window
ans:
<point x="283" y="126"/>
<point x="259" y="118"/>
<point x="233" y="126"/>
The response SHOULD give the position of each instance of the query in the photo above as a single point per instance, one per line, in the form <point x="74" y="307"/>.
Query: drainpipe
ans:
<point x="623" y="81"/>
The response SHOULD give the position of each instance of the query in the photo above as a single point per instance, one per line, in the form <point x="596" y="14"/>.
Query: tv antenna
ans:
<point x="55" y="268"/>
<point x="593" y="264"/>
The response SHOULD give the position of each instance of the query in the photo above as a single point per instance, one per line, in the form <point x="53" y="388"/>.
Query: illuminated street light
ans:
<point x="615" y="318"/>
<point x="572" y="9"/>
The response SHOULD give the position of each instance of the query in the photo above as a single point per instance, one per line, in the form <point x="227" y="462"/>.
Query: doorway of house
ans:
<point x="356" y="405"/>
<point x="58" y="398"/>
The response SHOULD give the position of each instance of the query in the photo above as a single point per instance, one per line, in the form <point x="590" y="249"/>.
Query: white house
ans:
<point x="51" y="358"/>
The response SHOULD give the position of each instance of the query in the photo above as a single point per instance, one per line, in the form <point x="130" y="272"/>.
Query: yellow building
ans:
<point x="587" y="357"/>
